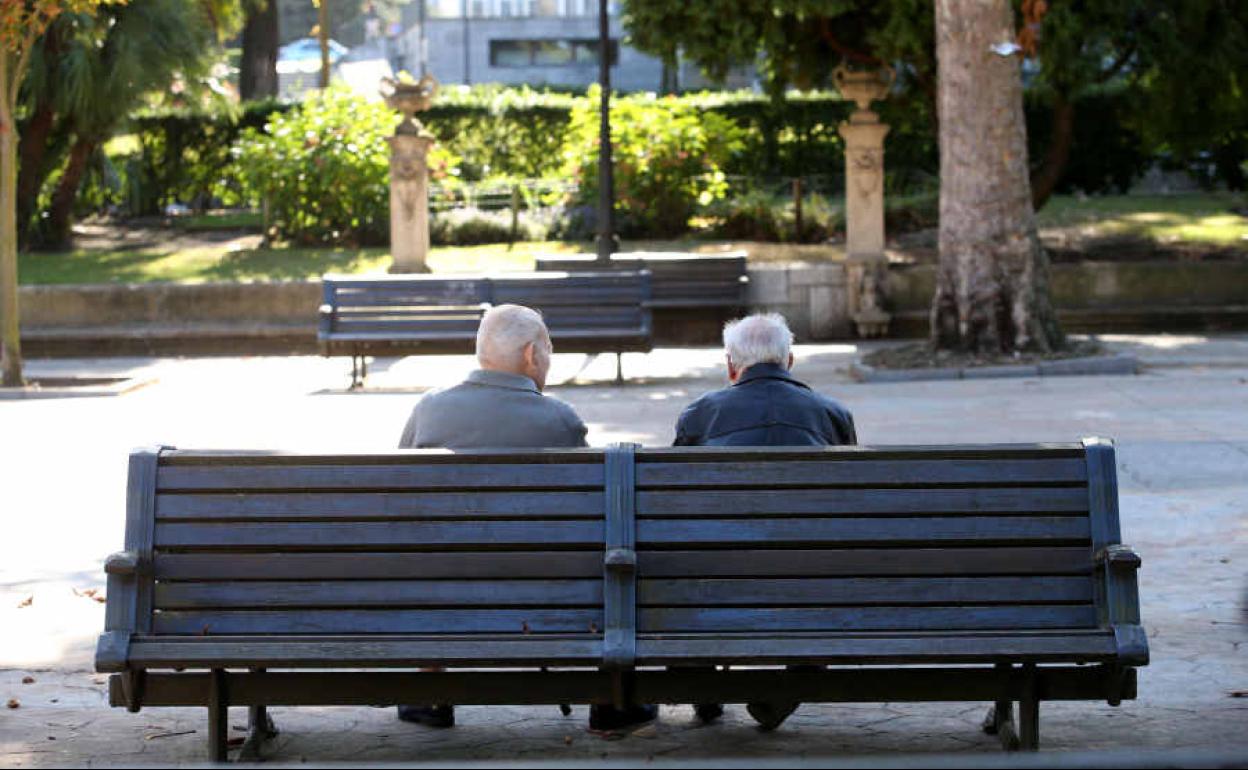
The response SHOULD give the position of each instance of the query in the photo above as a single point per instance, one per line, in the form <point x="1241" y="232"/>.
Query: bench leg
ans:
<point x="260" y="728"/>
<point x="999" y="720"/>
<point x="619" y="368"/>
<point x="218" y="718"/>
<point x="1029" y="711"/>
<point x="359" y="371"/>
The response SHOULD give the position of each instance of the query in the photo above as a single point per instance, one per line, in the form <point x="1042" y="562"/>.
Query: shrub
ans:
<point x="470" y="227"/>
<point x="324" y="169"/>
<point x="668" y="155"/>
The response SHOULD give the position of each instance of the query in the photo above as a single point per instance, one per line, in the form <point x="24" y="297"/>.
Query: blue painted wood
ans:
<point x="380" y="593"/>
<point x="916" y="530"/>
<point x="758" y="500"/>
<point x="380" y="565"/>
<point x="387" y="621"/>
<point x="128" y="609"/>
<point x="835" y="472"/>
<point x="651" y="620"/>
<point x="619" y="646"/>
<point x="1118" y="600"/>
<point x="694" y="591"/>
<point x="412" y="536"/>
<point x="381" y="477"/>
<point x="382" y="505"/>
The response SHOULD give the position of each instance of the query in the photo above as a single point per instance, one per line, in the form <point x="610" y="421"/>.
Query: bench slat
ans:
<point x="876" y="649"/>
<point x="1045" y="560"/>
<point x="867" y="473"/>
<point x="536" y="621"/>
<point x="1003" y="529"/>
<point x="381" y="505"/>
<point x="432" y="536"/>
<point x="700" y="592"/>
<point x="722" y="619"/>
<point x="364" y="566"/>
<point x="830" y="502"/>
<point x="245" y="478"/>
<point x="209" y="651"/>
<point x="379" y="593"/>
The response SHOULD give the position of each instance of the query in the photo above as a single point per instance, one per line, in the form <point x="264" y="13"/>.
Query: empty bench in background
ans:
<point x="425" y="314"/>
<point x="691" y="294"/>
<point x="988" y="573"/>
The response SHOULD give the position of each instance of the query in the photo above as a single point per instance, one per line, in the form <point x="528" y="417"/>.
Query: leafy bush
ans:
<point x="669" y="159"/>
<point x="470" y="227"/>
<point x="323" y="169"/>
<point x="759" y="216"/>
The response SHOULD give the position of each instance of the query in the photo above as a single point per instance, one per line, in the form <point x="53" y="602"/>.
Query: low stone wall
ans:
<point x="280" y="317"/>
<point x="1098" y="297"/>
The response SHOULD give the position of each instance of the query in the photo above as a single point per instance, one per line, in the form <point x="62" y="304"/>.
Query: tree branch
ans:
<point x="825" y="31"/>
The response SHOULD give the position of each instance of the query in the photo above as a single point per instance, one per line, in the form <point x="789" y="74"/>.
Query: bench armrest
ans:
<point x="123" y="563"/>
<point x="1118" y="557"/>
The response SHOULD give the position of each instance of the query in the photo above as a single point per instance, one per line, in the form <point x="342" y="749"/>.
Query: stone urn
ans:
<point x="409" y="98"/>
<point x="864" y="86"/>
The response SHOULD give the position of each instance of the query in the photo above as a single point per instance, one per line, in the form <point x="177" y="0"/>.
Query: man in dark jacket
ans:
<point x="764" y="406"/>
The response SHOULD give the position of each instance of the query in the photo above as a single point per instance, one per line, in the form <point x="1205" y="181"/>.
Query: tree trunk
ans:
<point x="32" y="150"/>
<point x="992" y="286"/>
<point x="1058" y="156"/>
<point x="257" y="77"/>
<point x="322" y="34"/>
<point x="10" y="334"/>
<point x="61" y="211"/>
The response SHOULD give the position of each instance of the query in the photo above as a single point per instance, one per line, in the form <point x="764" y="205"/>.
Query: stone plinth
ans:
<point x="409" y="202"/>
<point x="864" y="200"/>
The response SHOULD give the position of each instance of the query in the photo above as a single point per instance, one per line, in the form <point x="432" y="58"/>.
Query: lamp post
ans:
<point x="607" y="242"/>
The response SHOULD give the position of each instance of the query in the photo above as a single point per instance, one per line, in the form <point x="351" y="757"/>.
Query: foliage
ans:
<point x="668" y="160"/>
<point x="470" y="227"/>
<point x="323" y="169"/>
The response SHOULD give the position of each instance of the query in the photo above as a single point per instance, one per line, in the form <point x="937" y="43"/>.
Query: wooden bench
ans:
<point x="679" y="281"/>
<point x="411" y="315"/>
<point x="964" y="573"/>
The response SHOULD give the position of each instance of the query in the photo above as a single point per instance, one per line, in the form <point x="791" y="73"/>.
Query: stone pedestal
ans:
<point x="409" y="202"/>
<point x="864" y="200"/>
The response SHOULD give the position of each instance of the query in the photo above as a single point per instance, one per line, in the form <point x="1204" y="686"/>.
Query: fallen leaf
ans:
<point x="567" y="740"/>
<point x="28" y="680"/>
<point x="235" y="741"/>
<point x="29" y="600"/>
<point x="1238" y="693"/>
<point x="14" y="703"/>
<point x="99" y="599"/>
<point x="649" y="731"/>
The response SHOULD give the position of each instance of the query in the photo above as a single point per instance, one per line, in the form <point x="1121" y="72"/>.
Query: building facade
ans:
<point x="533" y="42"/>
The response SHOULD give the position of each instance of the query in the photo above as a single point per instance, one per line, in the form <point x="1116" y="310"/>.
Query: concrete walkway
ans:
<point x="1181" y="428"/>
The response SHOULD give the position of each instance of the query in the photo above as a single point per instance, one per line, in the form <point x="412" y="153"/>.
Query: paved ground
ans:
<point x="1181" y="427"/>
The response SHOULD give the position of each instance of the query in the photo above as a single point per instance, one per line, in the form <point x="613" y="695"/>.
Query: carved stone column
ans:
<point x="867" y="266"/>
<point x="409" y="175"/>
<point x="409" y="202"/>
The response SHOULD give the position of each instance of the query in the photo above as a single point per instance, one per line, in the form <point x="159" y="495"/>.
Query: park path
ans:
<point x="1182" y="433"/>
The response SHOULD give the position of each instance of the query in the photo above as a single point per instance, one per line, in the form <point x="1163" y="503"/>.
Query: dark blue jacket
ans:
<point x="765" y="407"/>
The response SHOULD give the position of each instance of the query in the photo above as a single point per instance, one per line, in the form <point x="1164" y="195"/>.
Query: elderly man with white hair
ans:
<point x="764" y="406"/>
<point x="501" y="404"/>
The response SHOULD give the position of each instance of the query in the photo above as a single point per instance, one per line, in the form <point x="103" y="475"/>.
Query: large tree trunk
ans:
<point x="61" y="211"/>
<point x="992" y="286"/>
<point x="1058" y="157"/>
<point x="257" y="77"/>
<point x="32" y="150"/>
<point x="10" y="339"/>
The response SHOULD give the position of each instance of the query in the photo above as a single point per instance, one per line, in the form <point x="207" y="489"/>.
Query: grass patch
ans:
<point x="221" y="220"/>
<point x="1196" y="218"/>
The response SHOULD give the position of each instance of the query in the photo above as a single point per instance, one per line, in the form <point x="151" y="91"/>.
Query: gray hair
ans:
<point x="763" y="338"/>
<point x="505" y="331"/>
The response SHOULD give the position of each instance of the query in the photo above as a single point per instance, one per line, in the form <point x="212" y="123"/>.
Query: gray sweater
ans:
<point x="492" y="410"/>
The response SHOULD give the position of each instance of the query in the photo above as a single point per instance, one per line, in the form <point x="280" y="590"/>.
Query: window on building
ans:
<point x="548" y="53"/>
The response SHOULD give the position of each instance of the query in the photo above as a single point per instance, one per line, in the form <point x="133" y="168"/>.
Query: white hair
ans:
<point x="763" y="338"/>
<point x="504" y="332"/>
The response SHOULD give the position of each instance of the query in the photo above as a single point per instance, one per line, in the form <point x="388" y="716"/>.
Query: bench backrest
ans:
<point x="576" y="303"/>
<point x="426" y="303"/>
<point x="636" y="551"/>
<point x="678" y="280"/>
<point x="571" y="303"/>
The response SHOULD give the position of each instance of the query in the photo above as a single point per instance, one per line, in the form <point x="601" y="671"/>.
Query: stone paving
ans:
<point x="1181" y="428"/>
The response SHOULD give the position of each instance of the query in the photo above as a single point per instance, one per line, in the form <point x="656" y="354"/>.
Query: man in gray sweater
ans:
<point x="501" y="405"/>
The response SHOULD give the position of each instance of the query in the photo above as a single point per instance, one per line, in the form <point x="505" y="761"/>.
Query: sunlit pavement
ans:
<point x="1182" y="433"/>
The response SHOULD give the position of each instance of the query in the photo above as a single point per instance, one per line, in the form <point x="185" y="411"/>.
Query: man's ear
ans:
<point x="790" y="366"/>
<point x="530" y="354"/>
<point x="732" y="369"/>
